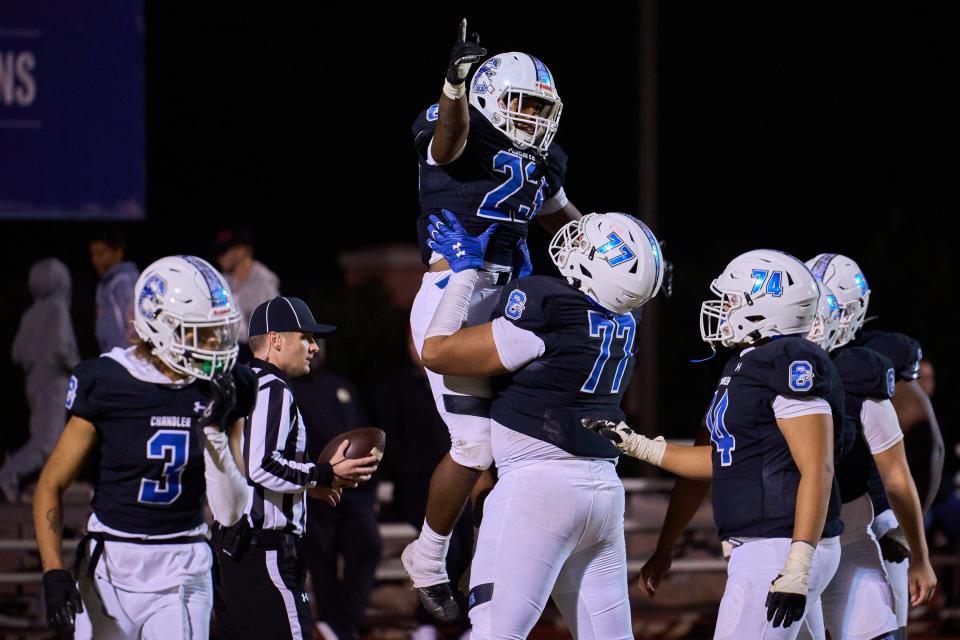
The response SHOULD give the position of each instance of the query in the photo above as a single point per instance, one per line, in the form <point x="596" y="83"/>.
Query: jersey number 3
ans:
<point x="623" y="328"/>
<point x="173" y="447"/>
<point x="518" y="172"/>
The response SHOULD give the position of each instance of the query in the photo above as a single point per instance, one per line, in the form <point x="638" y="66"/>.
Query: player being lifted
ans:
<point x="493" y="160"/>
<point x="774" y="423"/>
<point x="553" y="524"/>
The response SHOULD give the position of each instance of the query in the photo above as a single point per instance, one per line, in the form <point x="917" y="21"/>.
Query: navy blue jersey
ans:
<point x="905" y="354"/>
<point x="492" y="181"/>
<point x="585" y="368"/>
<point x="902" y="350"/>
<point x="755" y="479"/>
<point x="148" y="463"/>
<point x="865" y="374"/>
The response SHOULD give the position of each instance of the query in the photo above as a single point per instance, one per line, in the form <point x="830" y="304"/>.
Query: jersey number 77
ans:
<point x="616" y="329"/>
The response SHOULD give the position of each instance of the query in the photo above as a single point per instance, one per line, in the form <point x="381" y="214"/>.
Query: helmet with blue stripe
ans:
<point x="504" y="87"/>
<point x="185" y="313"/>
<point x="612" y="257"/>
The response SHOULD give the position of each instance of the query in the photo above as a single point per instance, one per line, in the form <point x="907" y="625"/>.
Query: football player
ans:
<point x="870" y="375"/>
<point x="553" y="523"/>
<point x="487" y="157"/>
<point x="774" y="423"/>
<point x="139" y="415"/>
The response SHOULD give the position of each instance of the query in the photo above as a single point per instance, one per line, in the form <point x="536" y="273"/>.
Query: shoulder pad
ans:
<point x="902" y="350"/>
<point x="800" y="368"/>
<point x="423" y="128"/>
<point x="527" y="302"/>
<point x="80" y="399"/>
<point x="864" y="372"/>
<point x="557" y="166"/>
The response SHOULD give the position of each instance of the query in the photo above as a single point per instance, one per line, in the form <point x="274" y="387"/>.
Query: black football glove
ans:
<point x="223" y="395"/>
<point x="893" y="546"/>
<point x="787" y="598"/>
<point x="463" y="55"/>
<point x="62" y="600"/>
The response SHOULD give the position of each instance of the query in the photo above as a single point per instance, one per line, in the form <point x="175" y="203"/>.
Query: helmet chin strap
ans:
<point x="713" y="354"/>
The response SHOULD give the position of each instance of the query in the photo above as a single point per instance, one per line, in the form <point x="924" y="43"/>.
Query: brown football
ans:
<point x="363" y="442"/>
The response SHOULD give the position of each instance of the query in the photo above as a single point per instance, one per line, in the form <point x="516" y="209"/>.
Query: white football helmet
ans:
<point x="511" y="75"/>
<point x="826" y="326"/>
<point x="762" y="293"/>
<point x="186" y="314"/>
<point x="845" y="279"/>
<point x="612" y="257"/>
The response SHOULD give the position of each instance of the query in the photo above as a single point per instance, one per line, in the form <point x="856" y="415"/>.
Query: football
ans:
<point x="363" y="442"/>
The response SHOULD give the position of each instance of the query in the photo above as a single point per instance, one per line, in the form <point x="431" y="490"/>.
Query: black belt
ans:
<point x="236" y="539"/>
<point x="100" y="538"/>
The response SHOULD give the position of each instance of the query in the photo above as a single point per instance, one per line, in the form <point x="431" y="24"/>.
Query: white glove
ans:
<point x="628" y="441"/>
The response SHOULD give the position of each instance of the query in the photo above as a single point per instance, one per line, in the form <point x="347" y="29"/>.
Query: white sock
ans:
<point x="432" y="545"/>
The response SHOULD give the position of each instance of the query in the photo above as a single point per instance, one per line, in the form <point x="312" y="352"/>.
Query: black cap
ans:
<point x="228" y="238"/>
<point x="286" y="314"/>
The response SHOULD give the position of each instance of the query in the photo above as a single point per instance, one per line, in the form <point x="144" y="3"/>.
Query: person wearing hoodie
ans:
<point x="46" y="348"/>
<point x="114" y="291"/>
<point x="250" y="280"/>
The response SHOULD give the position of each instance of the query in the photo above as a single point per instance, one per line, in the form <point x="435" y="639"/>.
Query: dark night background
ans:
<point x="807" y="132"/>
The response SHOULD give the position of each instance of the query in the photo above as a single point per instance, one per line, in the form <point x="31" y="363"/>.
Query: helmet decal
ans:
<point x="151" y="295"/>
<point x="862" y="283"/>
<point x="544" y="77"/>
<point x="488" y="68"/>
<point x="654" y="249"/>
<point x="614" y="242"/>
<point x="834" y="306"/>
<point x="219" y="295"/>
<point x="820" y="268"/>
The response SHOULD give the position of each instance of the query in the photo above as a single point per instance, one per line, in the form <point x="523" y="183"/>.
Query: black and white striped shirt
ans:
<point x="274" y="450"/>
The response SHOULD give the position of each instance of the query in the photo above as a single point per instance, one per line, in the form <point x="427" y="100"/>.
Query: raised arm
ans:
<point x="453" y="123"/>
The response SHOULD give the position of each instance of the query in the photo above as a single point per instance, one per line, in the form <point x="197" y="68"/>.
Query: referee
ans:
<point x="261" y="583"/>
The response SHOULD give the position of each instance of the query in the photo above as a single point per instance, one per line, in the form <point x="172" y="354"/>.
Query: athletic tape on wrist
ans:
<point x="452" y="310"/>
<point x="454" y="91"/>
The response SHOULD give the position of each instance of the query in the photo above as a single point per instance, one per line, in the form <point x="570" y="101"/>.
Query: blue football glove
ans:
<point x="452" y="241"/>
<point x="521" y="259"/>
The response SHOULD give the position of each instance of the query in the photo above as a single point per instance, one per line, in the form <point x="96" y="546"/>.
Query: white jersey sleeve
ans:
<point x="554" y="203"/>
<point x="881" y="429"/>
<point x="516" y="346"/>
<point x="789" y="407"/>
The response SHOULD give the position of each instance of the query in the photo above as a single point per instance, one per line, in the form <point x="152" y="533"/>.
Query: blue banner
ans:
<point x="72" y="109"/>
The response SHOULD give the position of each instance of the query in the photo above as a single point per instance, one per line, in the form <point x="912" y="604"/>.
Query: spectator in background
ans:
<point x="46" y="348"/>
<point x="330" y="406"/>
<point x="417" y="438"/>
<point x="251" y="282"/>
<point x="114" y="326"/>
